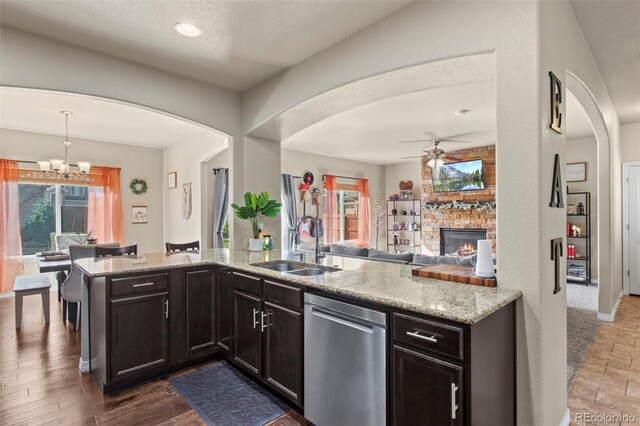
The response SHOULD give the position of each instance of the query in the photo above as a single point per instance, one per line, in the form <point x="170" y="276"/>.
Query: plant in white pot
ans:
<point x="256" y="208"/>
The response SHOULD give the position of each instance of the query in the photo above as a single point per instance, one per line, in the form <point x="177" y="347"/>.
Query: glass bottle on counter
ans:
<point x="267" y="243"/>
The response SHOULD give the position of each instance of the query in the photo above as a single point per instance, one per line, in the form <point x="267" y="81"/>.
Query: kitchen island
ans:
<point x="158" y="312"/>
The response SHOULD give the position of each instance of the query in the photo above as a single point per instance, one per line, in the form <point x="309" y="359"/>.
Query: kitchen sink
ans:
<point x="308" y="272"/>
<point x="295" y="268"/>
<point x="281" y="266"/>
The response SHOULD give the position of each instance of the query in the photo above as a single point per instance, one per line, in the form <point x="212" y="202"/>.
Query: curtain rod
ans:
<point x="72" y="165"/>
<point x="217" y="169"/>
<point x="343" y="177"/>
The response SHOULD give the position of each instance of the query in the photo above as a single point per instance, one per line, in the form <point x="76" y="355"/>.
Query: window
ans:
<point x="47" y="209"/>
<point x="347" y="208"/>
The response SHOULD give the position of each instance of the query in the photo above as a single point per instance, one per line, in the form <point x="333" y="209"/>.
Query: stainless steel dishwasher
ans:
<point x="344" y="363"/>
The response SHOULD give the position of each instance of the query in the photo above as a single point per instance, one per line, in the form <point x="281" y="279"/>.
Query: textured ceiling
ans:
<point x="96" y="119"/>
<point x="242" y="44"/>
<point x="612" y="30"/>
<point x="372" y="133"/>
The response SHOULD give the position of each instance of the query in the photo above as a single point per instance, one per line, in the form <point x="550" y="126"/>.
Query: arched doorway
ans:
<point x="115" y="127"/>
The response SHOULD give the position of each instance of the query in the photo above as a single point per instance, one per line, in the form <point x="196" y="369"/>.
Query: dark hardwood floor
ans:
<point x="40" y="383"/>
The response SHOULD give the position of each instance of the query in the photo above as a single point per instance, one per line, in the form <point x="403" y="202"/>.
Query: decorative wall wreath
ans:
<point x="138" y="186"/>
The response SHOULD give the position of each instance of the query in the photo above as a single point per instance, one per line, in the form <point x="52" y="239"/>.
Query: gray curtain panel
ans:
<point x="220" y="206"/>
<point x="290" y="210"/>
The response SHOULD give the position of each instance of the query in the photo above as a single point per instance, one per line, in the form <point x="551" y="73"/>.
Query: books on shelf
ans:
<point x="575" y="271"/>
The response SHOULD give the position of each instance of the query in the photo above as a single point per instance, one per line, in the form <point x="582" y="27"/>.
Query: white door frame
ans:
<point x="625" y="224"/>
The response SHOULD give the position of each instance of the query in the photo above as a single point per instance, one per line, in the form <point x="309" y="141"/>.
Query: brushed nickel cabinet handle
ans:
<point x="143" y="285"/>
<point x="454" y="406"/>
<point x="263" y="325"/>
<point x="417" y="335"/>
<point x="166" y="309"/>
<point x="255" y="321"/>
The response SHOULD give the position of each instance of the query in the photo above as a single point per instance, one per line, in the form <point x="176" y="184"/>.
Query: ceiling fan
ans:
<point x="436" y="155"/>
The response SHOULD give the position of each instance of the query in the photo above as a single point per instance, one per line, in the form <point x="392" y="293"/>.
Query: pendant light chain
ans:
<point x="63" y="167"/>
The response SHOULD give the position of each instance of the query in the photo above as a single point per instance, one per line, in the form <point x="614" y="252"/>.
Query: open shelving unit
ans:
<point x="414" y="236"/>
<point x="582" y="242"/>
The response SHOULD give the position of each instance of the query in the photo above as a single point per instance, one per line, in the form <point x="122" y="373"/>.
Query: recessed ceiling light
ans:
<point x="187" y="29"/>
<point x="462" y="111"/>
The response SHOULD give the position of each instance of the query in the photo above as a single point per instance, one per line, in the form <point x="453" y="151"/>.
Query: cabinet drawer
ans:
<point x="284" y="294"/>
<point x="247" y="283"/>
<point x="428" y="335"/>
<point x="139" y="284"/>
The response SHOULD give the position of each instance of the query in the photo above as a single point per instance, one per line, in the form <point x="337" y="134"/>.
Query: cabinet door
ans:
<point x="247" y="342"/>
<point x="200" y="312"/>
<point x="138" y="335"/>
<point x="223" y="300"/>
<point x="426" y="391"/>
<point x="283" y="350"/>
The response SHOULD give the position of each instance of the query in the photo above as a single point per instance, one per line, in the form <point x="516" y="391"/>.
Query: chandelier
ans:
<point x="63" y="167"/>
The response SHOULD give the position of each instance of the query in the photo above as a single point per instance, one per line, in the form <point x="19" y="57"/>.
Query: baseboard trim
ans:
<point x="612" y="316"/>
<point x="566" y="420"/>
<point x="84" y="366"/>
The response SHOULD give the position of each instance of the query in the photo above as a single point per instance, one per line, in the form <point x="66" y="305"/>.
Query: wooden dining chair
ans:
<point x="119" y="251"/>
<point x="183" y="247"/>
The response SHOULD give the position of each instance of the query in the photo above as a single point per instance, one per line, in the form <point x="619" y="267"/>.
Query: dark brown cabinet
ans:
<point x="247" y="333"/>
<point x="223" y="308"/>
<point x="283" y="350"/>
<point x="268" y="327"/>
<point x="426" y="390"/>
<point x="200" y="312"/>
<point x="138" y="334"/>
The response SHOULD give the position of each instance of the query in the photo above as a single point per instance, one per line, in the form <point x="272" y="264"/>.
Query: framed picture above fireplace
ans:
<point x="460" y="176"/>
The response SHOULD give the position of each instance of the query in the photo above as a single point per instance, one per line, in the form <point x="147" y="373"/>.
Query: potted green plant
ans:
<point x="256" y="208"/>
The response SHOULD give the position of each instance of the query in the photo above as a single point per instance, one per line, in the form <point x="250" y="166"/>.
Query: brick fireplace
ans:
<point x="484" y="220"/>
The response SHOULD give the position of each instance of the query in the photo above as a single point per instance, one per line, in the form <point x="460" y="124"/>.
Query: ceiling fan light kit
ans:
<point x="437" y="154"/>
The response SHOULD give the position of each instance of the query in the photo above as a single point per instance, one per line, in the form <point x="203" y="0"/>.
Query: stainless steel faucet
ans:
<point x="319" y="254"/>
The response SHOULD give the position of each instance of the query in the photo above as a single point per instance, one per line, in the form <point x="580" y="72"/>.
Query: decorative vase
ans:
<point x="255" y="244"/>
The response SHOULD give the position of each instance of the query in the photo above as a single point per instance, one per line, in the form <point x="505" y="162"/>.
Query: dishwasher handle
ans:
<point x="341" y="320"/>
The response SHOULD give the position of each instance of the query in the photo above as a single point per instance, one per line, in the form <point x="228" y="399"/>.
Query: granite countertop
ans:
<point x="384" y="283"/>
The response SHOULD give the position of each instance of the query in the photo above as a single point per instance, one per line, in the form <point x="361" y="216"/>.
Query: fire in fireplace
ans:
<point x="460" y="241"/>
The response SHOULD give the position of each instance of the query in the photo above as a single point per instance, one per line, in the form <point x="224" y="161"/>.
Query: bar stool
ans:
<point x="25" y="285"/>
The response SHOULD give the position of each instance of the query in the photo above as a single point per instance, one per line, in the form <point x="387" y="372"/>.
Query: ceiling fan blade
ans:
<point x="413" y="156"/>
<point x="417" y="141"/>
<point x="458" y="136"/>
<point x="453" y="140"/>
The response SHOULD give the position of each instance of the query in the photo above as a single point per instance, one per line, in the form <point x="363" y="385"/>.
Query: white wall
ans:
<point x="630" y="142"/>
<point x="219" y="160"/>
<point x="134" y="162"/>
<point x="297" y="163"/>
<point x="528" y="40"/>
<point x="31" y="61"/>
<point x="579" y="151"/>
<point x="409" y="170"/>
<point x="186" y="158"/>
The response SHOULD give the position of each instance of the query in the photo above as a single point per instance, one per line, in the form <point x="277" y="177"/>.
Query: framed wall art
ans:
<point x="138" y="214"/>
<point x="576" y="172"/>
<point x="172" y="180"/>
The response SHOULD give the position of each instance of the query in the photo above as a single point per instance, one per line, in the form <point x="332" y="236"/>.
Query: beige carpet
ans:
<point x="582" y="325"/>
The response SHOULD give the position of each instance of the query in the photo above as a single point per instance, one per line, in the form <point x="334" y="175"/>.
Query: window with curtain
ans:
<point x="47" y="209"/>
<point x="347" y="217"/>
<point x="50" y="205"/>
